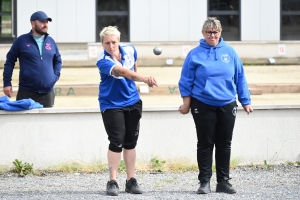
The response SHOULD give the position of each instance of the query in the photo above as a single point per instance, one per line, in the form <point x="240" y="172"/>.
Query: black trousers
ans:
<point x="122" y="126"/>
<point x="214" y="127"/>
<point x="47" y="100"/>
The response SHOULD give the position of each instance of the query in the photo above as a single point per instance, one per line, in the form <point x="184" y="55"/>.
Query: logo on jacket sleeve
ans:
<point x="234" y="111"/>
<point x="48" y="46"/>
<point x="225" y="58"/>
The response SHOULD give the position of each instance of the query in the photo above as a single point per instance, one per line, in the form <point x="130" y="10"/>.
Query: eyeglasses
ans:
<point x="210" y="33"/>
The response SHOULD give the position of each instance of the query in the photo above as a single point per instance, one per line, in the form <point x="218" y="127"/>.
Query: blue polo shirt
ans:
<point x="117" y="92"/>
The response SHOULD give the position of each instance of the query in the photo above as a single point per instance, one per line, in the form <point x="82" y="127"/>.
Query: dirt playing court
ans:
<point x="170" y="75"/>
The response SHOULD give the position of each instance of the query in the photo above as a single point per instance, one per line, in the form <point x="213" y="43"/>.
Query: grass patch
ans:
<point x="234" y="162"/>
<point x="155" y="164"/>
<point x="74" y="166"/>
<point x="158" y="164"/>
<point x="290" y="163"/>
<point x="122" y="166"/>
<point x="181" y="165"/>
<point x="267" y="165"/>
<point x="296" y="163"/>
<point x="22" y="168"/>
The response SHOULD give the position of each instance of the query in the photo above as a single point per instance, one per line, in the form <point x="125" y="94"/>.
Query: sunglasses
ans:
<point x="210" y="33"/>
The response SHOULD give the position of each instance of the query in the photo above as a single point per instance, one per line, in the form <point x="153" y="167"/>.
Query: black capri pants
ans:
<point x="122" y="126"/>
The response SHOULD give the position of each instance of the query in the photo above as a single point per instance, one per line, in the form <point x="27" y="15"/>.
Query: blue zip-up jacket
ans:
<point x="214" y="75"/>
<point x="38" y="73"/>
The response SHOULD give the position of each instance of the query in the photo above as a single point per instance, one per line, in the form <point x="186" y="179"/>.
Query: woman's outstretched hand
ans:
<point x="150" y="81"/>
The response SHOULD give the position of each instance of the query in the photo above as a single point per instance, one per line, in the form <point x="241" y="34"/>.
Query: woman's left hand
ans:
<point x="184" y="109"/>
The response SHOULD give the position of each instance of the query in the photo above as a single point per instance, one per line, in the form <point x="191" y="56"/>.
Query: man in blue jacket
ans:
<point x="40" y="63"/>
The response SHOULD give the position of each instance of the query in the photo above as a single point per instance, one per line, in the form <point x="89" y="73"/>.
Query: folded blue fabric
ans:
<point x="23" y="104"/>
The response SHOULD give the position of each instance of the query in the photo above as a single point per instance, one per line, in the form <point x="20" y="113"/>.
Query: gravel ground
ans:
<point x="251" y="182"/>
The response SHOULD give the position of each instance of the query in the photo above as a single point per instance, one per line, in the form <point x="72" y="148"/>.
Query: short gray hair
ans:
<point x="110" y="30"/>
<point x="212" y="22"/>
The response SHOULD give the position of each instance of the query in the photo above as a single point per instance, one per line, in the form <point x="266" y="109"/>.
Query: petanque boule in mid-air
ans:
<point x="157" y="50"/>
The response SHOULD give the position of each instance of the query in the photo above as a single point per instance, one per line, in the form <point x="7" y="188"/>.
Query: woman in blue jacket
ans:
<point x="212" y="75"/>
<point x="120" y="106"/>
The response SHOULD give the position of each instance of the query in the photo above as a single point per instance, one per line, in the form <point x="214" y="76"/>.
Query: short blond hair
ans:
<point x="110" y="30"/>
<point x="212" y="22"/>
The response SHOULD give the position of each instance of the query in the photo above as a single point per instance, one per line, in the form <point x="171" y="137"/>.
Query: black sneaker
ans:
<point x="204" y="188"/>
<point x="225" y="186"/>
<point x="133" y="187"/>
<point x="112" y="188"/>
